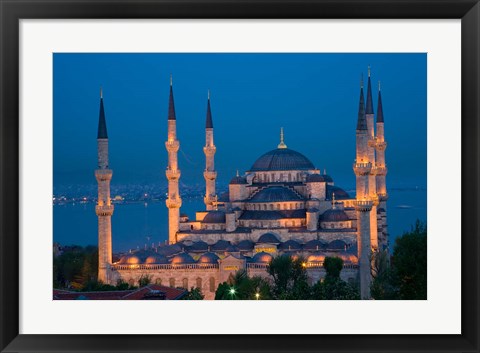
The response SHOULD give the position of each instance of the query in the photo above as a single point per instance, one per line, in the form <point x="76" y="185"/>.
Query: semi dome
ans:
<point x="214" y="217"/>
<point x="182" y="258"/>
<point x="334" y="215"/>
<point x="208" y="258"/>
<point x="262" y="257"/>
<point x="275" y="194"/>
<point x="282" y="159"/>
<point x="347" y="257"/>
<point x="268" y="238"/>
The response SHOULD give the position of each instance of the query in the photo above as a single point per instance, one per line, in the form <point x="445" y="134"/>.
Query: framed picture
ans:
<point x="176" y="209"/>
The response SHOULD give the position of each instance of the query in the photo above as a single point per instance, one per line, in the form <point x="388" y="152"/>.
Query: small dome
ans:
<point x="316" y="257"/>
<point x="334" y="215"/>
<point x="214" y="217"/>
<point x="130" y="259"/>
<point x="221" y="245"/>
<point x="245" y="245"/>
<point x="170" y="250"/>
<point x="315" y="178"/>
<point x="208" y="258"/>
<point x="182" y="258"/>
<point x="238" y="180"/>
<point x="327" y="178"/>
<point x="198" y="246"/>
<point x="276" y="194"/>
<point x="262" y="257"/>
<point x="314" y="245"/>
<point x="340" y="194"/>
<point x="268" y="238"/>
<point x="290" y="245"/>
<point x="156" y="259"/>
<point x="282" y="159"/>
<point x="337" y="245"/>
<point x="312" y="209"/>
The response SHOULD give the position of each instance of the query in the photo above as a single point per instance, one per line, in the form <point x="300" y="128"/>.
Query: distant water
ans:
<point x="137" y="224"/>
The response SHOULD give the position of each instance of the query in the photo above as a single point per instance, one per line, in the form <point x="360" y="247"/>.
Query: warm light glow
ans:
<point x="232" y="291"/>
<point x="304" y="264"/>
<point x="257" y="295"/>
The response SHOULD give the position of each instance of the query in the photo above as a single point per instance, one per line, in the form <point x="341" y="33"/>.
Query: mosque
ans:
<point x="282" y="206"/>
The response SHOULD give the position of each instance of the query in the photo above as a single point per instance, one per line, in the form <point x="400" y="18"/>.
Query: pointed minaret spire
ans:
<point x="369" y="107"/>
<point x="171" y="103"/>
<point x="380" y="107"/>
<point x="282" y="143"/>
<point x="209" y="122"/>
<point x="102" y="124"/>
<point x="362" y="121"/>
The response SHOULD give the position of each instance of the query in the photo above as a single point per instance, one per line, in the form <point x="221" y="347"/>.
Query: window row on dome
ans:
<point x="275" y="206"/>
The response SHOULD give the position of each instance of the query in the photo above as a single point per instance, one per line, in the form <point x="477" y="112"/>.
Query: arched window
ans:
<point x="172" y="282"/>
<point x="158" y="281"/>
<point x="271" y="206"/>
<point x="212" y="284"/>
<point x="199" y="283"/>
<point x="185" y="283"/>
<point x="131" y="282"/>
<point x="289" y="177"/>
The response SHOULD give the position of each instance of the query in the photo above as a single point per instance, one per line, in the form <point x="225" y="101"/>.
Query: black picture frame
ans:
<point x="12" y="11"/>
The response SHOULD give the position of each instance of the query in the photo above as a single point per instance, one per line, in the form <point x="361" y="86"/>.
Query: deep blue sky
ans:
<point x="313" y="96"/>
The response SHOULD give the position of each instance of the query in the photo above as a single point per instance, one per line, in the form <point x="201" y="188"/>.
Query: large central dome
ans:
<point x="282" y="159"/>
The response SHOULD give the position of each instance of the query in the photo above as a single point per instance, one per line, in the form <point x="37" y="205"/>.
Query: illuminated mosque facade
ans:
<point x="282" y="206"/>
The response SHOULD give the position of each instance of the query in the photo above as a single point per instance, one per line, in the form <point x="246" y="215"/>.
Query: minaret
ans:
<point x="372" y="181"/>
<point x="104" y="207"/>
<point x="363" y="205"/>
<point x="173" y="202"/>
<point x="209" y="174"/>
<point x="381" y="168"/>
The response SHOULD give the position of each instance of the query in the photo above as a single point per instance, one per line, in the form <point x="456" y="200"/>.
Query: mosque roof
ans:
<point x="156" y="259"/>
<point x="198" y="246"/>
<point x="340" y="194"/>
<point x="245" y="245"/>
<point x="317" y="257"/>
<point x="262" y="257"/>
<point x="275" y="194"/>
<point x="221" y="245"/>
<point x="314" y="245"/>
<point x="272" y="215"/>
<point x="337" y="245"/>
<point x="290" y="245"/>
<point x="334" y="215"/>
<point x="208" y="258"/>
<point x="315" y="178"/>
<point x="282" y="159"/>
<point x="268" y="238"/>
<point x="182" y="258"/>
<point x="214" y="217"/>
<point x="238" y="180"/>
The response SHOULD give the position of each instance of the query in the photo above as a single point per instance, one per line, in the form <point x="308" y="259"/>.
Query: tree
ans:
<point x="289" y="278"/>
<point x="193" y="294"/>
<point x="382" y="287"/>
<point x="409" y="263"/>
<point x="242" y="287"/>
<point x="144" y="280"/>
<point x="333" y="287"/>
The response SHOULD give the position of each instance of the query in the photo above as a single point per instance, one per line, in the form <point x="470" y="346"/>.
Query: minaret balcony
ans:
<point x="381" y="146"/>
<point x="173" y="174"/>
<point x="104" y="210"/>
<point x="210" y="199"/>
<point x="363" y="205"/>
<point x="362" y="168"/>
<point x="372" y="142"/>
<point x="172" y="145"/>
<point x="103" y="174"/>
<point x="209" y="150"/>
<point x="382" y="196"/>
<point x="379" y="170"/>
<point x="174" y="203"/>
<point x="210" y="174"/>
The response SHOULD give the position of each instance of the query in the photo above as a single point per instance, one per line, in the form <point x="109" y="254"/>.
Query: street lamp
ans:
<point x="257" y="295"/>
<point x="232" y="292"/>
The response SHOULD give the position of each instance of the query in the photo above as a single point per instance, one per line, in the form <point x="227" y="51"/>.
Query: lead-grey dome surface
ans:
<point x="275" y="194"/>
<point x="282" y="159"/>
